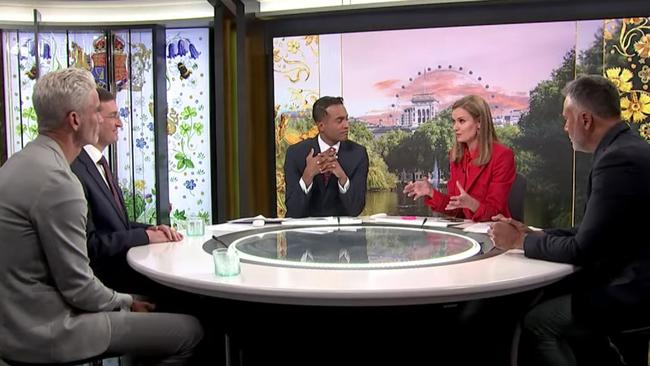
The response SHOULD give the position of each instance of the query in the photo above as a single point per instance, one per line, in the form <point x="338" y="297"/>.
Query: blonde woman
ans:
<point x="482" y="170"/>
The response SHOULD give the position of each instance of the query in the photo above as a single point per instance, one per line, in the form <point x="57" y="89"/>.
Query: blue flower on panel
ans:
<point x="182" y="47"/>
<point x="189" y="184"/>
<point x="194" y="53"/>
<point x="140" y="143"/>
<point x="124" y="112"/>
<point x="31" y="47"/>
<point x="150" y="126"/>
<point x="171" y="50"/>
<point x="46" y="52"/>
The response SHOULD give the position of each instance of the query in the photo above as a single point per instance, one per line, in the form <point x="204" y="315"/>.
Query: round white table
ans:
<point x="186" y="266"/>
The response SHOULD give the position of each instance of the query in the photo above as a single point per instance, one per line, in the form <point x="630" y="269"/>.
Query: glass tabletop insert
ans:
<point x="348" y="247"/>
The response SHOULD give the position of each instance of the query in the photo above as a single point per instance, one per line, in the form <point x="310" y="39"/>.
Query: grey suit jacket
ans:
<point x="53" y="308"/>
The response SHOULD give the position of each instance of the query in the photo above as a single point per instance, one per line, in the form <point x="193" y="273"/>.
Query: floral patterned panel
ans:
<point x="12" y="86"/>
<point x="296" y="84"/>
<point x="627" y="64"/>
<point x="21" y="73"/>
<point x="188" y="124"/>
<point x="135" y="147"/>
<point x="87" y="50"/>
<point x="135" y="204"/>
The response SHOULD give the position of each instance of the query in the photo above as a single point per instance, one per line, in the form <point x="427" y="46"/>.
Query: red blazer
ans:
<point x="490" y="184"/>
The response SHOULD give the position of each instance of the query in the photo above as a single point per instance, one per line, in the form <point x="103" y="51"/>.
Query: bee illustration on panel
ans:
<point x="32" y="73"/>
<point x="184" y="71"/>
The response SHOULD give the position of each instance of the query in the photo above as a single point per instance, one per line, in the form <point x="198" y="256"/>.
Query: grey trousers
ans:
<point x="154" y="338"/>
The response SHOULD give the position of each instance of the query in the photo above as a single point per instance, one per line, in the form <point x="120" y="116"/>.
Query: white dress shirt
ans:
<point x="95" y="155"/>
<point x="324" y="147"/>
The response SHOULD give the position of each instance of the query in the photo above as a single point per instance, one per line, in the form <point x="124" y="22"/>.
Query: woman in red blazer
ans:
<point x="482" y="170"/>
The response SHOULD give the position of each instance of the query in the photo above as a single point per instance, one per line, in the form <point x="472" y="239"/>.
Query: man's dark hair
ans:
<point x="595" y="93"/>
<point x="319" y="111"/>
<point x="105" y="95"/>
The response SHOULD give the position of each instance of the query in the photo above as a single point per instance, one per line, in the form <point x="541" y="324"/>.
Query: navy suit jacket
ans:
<point x="109" y="232"/>
<point x="326" y="200"/>
<point x="611" y="244"/>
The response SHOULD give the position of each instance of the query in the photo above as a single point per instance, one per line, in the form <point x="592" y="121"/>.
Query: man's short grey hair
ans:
<point x="596" y="94"/>
<point x="60" y="92"/>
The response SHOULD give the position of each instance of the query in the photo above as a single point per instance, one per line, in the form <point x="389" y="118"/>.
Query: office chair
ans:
<point x="516" y="198"/>
<point x="632" y="345"/>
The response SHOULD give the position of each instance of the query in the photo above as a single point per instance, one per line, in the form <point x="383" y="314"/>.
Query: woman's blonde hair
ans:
<point x="478" y="108"/>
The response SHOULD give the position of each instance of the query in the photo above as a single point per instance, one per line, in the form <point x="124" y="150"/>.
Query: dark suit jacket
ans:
<point x="109" y="232"/>
<point x="327" y="247"/>
<point x="611" y="244"/>
<point x="326" y="200"/>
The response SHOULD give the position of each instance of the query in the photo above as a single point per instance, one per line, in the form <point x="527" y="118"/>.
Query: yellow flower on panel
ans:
<point x="309" y="134"/>
<point x="281" y="210"/>
<point x="296" y="94"/>
<point x="644" y="74"/>
<point x="633" y="20"/>
<point x="139" y="185"/>
<point x="610" y="27"/>
<point x="642" y="47"/>
<point x="281" y="128"/>
<point x="635" y="109"/>
<point x="311" y="39"/>
<point x="644" y="130"/>
<point x="279" y="178"/>
<point x="621" y="78"/>
<point x="292" y="138"/>
<point x="276" y="55"/>
<point x="293" y="46"/>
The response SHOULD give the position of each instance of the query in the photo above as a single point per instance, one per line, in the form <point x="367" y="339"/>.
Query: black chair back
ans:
<point x="516" y="198"/>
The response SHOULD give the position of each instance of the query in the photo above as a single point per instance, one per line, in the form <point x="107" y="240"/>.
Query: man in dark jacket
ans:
<point x="109" y="231"/>
<point x="610" y="245"/>
<point x="326" y="175"/>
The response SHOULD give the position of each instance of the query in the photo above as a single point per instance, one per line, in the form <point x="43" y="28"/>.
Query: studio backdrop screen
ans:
<point x="398" y="87"/>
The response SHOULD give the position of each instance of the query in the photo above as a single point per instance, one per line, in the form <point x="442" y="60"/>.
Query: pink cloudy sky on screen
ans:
<point x="511" y="59"/>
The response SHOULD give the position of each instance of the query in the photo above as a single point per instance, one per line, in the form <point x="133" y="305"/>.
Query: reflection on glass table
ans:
<point x="348" y="247"/>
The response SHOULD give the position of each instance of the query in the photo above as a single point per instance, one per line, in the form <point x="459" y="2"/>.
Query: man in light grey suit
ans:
<point x="53" y="308"/>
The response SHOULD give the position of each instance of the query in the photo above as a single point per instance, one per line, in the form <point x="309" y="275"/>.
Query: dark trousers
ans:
<point x="552" y="336"/>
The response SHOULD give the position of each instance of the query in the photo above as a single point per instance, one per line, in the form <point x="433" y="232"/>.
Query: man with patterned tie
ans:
<point x="109" y="231"/>
<point x="326" y="175"/>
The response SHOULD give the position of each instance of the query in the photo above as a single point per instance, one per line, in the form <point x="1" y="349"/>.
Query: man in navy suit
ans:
<point x="326" y="175"/>
<point x="610" y="245"/>
<point x="110" y="233"/>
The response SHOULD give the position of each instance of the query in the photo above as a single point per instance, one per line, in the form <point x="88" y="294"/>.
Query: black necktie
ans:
<point x="111" y="182"/>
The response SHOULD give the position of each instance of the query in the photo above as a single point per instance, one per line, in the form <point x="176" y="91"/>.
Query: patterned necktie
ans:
<point x="327" y="175"/>
<point x="111" y="182"/>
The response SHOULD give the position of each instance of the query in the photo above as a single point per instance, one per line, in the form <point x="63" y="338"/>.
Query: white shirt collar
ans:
<point x="94" y="153"/>
<point x="324" y="146"/>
